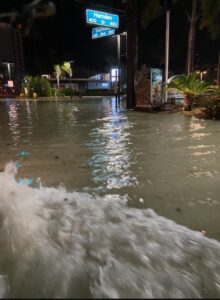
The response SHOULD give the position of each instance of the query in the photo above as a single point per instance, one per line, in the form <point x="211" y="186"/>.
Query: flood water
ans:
<point x="122" y="204"/>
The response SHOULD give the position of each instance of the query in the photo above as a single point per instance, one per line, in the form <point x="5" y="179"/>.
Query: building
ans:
<point x="11" y="56"/>
<point x="82" y="84"/>
<point x="98" y="81"/>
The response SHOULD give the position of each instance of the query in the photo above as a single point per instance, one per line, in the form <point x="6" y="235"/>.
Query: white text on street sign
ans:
<point x="100" y="32"/>
<point x="102" y="19"/>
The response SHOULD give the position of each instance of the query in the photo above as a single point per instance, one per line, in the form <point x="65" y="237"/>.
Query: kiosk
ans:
<point x="149" y="88"/>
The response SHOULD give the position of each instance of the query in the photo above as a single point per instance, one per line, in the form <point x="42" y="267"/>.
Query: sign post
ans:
<point x="100" y="18"/>
<point x="111" y="21"/>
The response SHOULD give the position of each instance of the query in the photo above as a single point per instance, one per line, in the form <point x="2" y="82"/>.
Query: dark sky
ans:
<point x="66" y="36"/>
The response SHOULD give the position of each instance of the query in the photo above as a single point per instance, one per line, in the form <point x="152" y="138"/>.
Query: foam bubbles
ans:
<point x="59" y="244"/>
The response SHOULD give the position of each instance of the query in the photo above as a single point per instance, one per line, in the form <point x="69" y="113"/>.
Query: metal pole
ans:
<point x="167" y="51"/>
<point x="119" y="64"/>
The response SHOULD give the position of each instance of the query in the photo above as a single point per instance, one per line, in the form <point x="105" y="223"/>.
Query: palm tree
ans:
<point x="58" y="72"/>
<point x="155" y="8"/>
<point x="67" y="68"/>
<point x="190" y="86"/>
<point x="191" y="39"/>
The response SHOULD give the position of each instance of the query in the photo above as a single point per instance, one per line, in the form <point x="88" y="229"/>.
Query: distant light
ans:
<point x="46" y="76"/>
<point x="203" y="72"/>
<point x="114" y="75"/>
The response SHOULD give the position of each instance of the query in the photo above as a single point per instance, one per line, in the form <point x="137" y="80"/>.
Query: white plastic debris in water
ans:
<point x="56" y="244"/>
<point x="25" y="181"/>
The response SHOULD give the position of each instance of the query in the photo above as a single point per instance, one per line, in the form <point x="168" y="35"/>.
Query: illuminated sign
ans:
<point x="102" y="32"/>
<point x="10" y="83"/>
<point x="156" y="86"/>
<point x="114" y="75"/>
<point x="102" y="19"/>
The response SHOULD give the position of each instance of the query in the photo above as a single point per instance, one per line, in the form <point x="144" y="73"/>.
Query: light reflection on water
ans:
<point x="13" y="122"/>
<point x="112" y="159"/>
<point x="168" y="162"/>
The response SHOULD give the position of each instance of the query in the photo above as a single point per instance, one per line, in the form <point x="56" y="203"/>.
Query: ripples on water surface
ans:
<point x="106" y="182"/>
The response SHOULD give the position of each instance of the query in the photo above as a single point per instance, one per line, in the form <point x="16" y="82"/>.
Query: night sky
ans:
<point x="66" y="36"/>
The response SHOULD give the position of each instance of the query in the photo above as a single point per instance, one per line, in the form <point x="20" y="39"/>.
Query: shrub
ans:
<point x="54" y="92"/>
<point x="22" y="87"/>
<point x="210" y="104"/>
<point x="45" y="87"/>
<point x="65" y="92"/>
<point x="190" y="86"/>
<point x="39" y="85"/>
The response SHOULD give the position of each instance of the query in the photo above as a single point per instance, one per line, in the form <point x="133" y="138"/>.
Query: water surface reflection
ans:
<point x="168" y="162"/>
<point x="113" y="156"/>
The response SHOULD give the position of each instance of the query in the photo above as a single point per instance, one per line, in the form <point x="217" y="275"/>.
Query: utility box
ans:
<point x="149" y="88"/>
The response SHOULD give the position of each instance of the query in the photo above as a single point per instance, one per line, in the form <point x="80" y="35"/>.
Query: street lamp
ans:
<point x="201" y="74"/>
<point x="8" y="64"/>
<point x="9" y="67"/>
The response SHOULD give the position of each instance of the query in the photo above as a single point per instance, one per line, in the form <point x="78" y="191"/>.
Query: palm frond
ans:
<point x="67" y="68"/>
<point x="189" y="85"/>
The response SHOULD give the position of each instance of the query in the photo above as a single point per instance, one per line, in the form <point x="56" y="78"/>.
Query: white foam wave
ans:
<point x="59" y="244"/>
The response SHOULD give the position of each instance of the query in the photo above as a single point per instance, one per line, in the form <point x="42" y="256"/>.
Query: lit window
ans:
<point x="114" y="75"/>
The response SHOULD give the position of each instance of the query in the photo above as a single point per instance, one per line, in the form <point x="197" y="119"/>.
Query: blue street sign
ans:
<point x="99" y="32"/>
<point x="101" y="18"/>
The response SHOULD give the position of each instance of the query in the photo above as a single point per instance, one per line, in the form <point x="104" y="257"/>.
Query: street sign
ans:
<point x="102" y="19"/>
<point x="100" y="32"/>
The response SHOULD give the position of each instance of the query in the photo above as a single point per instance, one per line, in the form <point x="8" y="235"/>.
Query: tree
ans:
<point x="67" y="68"/>
<point x="191" y="39"/>
<point x="210" y="17"/>
<point x="58" y="73"/>
<point x="208" y="10"/>
<point x="190" y="86"/>
<point x="151" y="11"/>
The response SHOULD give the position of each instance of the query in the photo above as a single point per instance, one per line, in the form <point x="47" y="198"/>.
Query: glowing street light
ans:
<point x="201" y="74"/>
<point x="9" y="67"/>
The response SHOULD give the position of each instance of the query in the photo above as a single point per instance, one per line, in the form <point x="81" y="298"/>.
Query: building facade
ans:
<point x="11" y="57"/>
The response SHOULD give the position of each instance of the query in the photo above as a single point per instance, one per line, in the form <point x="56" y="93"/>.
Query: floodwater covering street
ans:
<point x="122" y="204"/>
